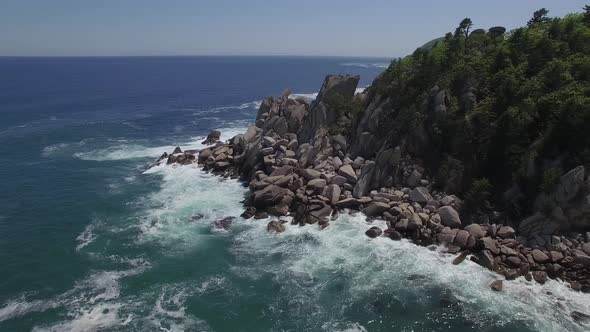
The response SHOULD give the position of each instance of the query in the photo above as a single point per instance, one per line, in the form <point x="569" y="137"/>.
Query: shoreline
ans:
<point x="294" y="166"/>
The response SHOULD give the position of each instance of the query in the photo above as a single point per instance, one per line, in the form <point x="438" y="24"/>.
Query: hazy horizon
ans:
<point x="381" y="29"/>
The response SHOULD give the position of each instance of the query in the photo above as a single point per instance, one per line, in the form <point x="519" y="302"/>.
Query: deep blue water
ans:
<point x="89" y="242"/>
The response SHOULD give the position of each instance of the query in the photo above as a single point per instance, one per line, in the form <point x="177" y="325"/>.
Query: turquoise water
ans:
<point x="89" y="241"/>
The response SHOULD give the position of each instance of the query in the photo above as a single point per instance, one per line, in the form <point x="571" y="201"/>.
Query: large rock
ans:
<point x="570" y="184"/>
<point x="362" y="186"/>
<point x="310" y="174"/>
<point x="449" y="217"/>
<point x="374" y="232"/>
<point x="213" y="137"/>
<point x="275" y="226"/>
<point x="475" y="230"/>
<point x="376" y="209"/>
<point x="506" y="232"/>
<point x="420" y="195"/>
<point x="271" y="195"/>
<point x="316" y="184"/>
<point x="333" y="193"/>
<point x="539" y="256"/>
<point x="348" y="173"/>
<point x="320" y="114"/>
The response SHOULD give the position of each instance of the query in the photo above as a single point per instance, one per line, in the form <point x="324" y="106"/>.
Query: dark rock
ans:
<point x="362" y="186"/>
<point x="496" y="285"/>
<point x="475" y="230"/>
<point x="373" y="232"/>
<point x="348" y="173"/>
<point x="539" y="276"/>
<point x="393" y="234"/>
<point x="459" y="259"/>
<point x="177" y="150"/>
<point x="487" y="243"/>
<point x="539" y="256"/>
<point x="449" y="217"/>
<point x="420" y="195"/>
<point x="506" y="232"/>
<point x="570" y="184"/>
<point x="376" y="209"/>
<point x="275" y="226"/>
<point x="213" y="137"/>
<point x="249" y="212"/>
<point x="224" y="223"/>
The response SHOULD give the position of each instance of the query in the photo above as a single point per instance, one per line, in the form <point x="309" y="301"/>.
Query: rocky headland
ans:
<point x="477" y="142"/>
<point x="294" y="166"/>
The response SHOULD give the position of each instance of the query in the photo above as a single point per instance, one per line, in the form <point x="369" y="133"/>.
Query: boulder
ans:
<point x="475" y="230"/>
<point x="539" y="256"/>
<point x="420" y="195"/>
<point x="348" y="173"/>
<point x="212" y="137"/>
<point x="270" y="195"/>
<point x="310" y="174"/>
<point x="461" y="238"/>
<point x="414" y="179"/>
<point x="373" y="232"/>
<point x="347" y="203"/>
<point x="268" y="142"/>
<point x="506" y="232"/>
<point x="338" y="180"/>
<point x="488" y="244"/>
<point x="275" y="226"/>
<point x="333" y="193"/>
<point x="570" y="184"/>
<point x="321" y="116"/>
<point x="316" y="184"/>
<point x="249" y="212"/>
<point x="460" y="258"/>
<point x="496" y="285"/>
<point x="375" y="209"/>
<point x="449" y="216"/>
<point x="224" y="223"/>
<point x="362" y="186"/>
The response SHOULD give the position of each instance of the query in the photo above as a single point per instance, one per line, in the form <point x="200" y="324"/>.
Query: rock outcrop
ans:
<point x="294" y="167"/>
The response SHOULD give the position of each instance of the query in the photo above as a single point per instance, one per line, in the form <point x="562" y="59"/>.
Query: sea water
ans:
<point x="91" y="241"/>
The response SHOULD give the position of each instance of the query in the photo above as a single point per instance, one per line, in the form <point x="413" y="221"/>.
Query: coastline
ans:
<point x="309" y="175"/>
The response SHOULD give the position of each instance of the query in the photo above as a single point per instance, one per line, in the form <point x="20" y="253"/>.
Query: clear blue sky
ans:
<point x="241" y="27"/>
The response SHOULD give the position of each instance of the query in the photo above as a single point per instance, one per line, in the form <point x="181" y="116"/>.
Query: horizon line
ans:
<point x="202" y="55"/>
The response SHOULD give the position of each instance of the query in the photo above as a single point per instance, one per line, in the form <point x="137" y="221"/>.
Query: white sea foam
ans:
<point x="254" y="105"/>
<point x="92" y="304"/>
<point x="186" y="191"/>
<point x="123" y="149"/>
<point x="86" y="237"/>
<point x="312" y="261"/>
<point x="61" y="148"/>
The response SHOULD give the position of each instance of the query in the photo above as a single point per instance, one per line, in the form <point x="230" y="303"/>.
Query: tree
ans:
<point x="587" y="14"/>
<point x="464" y="27"/>
<point x="540" y="16"/>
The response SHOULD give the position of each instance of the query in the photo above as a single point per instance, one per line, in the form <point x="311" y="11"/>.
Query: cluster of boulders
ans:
<point x="294" y="166"/>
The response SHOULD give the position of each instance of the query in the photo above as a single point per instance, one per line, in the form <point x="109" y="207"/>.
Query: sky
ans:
<point x="380" y="28"/>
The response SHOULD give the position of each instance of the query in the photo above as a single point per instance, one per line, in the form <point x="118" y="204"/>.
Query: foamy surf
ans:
<point x="125" y="149"/>
<point x="314" y="263"/>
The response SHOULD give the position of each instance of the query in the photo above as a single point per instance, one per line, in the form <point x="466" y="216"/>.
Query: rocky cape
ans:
<point x="294" y="165"/>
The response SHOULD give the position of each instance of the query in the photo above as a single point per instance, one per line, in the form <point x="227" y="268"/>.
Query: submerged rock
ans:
<point x="224" y="223"/>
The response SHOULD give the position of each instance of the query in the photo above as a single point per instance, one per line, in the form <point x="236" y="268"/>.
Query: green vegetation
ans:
<point x="346" y="111"/>
<point x="509" y="107"/>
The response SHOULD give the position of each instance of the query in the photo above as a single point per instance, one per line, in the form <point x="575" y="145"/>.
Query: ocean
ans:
<point x="90" y="241"/>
